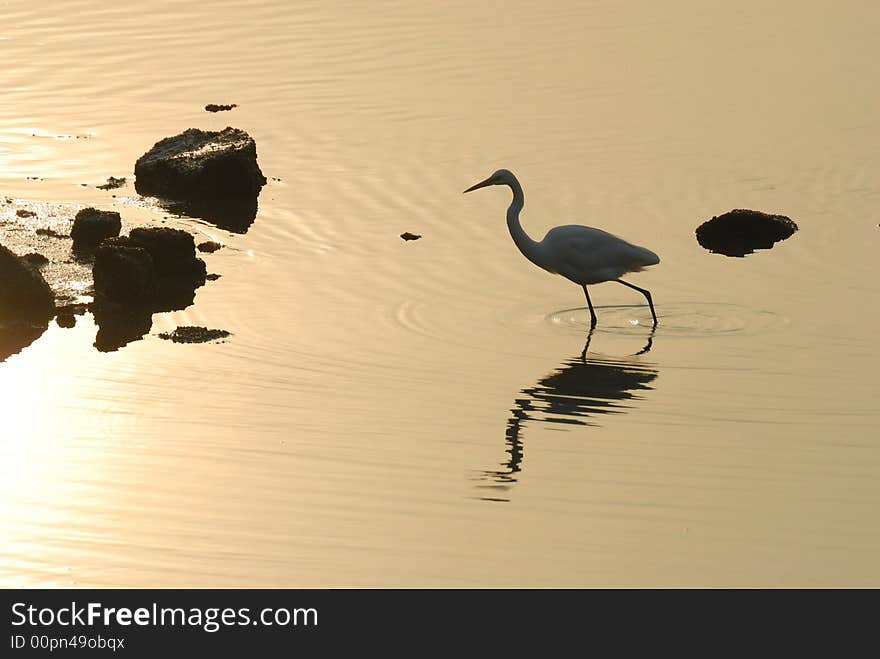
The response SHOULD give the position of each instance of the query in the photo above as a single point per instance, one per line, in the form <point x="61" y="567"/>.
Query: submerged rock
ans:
<point x="222" y="107"/>
<point x="406" y="235"/>
<point x="91" y="226"/>
<point x="25" y="297"/>
<point x="199" y="164"/>
<point x="189" y="334"/>
<point x="740" y="232"/>
<point x="112" y="183"/>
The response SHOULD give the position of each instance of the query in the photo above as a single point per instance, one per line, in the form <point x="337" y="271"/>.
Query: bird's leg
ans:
<point x="590" y="304"/>
<point x="644" y="292"/>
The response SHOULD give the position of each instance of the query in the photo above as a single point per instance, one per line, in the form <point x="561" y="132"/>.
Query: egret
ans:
<point x="583" y="255"/>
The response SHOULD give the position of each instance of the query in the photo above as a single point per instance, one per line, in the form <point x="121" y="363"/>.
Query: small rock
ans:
<point x="190" y="334"/>
<point x="409" y="236"/>
<point x="112" y="183"/>
<point x="209" y="246"/>
<point x="35" y="259"/>
<point x="91" y="226"/>
<point x="22" y="212"/>
<point x="740" y="232"/>
<point x="66" y="320"/>
<point x="51" y="233"/>
<point x="213" y="107"/>
<point x="213" y="276"/>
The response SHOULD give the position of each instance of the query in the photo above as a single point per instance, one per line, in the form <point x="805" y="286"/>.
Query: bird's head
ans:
<point x="501" y="177"/>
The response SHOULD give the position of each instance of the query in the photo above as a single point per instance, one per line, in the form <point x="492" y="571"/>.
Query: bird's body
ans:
<point x="583" y="255"/>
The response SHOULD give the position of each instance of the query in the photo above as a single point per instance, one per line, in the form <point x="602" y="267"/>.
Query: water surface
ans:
<point x="391" y="413"/>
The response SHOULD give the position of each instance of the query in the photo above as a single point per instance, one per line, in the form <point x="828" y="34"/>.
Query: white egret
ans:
<point x="581" y="254"/>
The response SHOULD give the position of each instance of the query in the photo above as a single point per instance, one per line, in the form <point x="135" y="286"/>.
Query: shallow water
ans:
<point x="391" y="413"/>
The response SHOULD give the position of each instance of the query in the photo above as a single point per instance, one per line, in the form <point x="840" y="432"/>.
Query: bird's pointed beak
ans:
<point x="481" y="184"/>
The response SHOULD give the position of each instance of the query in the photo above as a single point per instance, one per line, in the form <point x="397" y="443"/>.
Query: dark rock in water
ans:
<point x="213" y="276"/>
<point x="112" y="183"/>
<point x="173" y="251"/>
<point x="209" y="246"/>
<point x="51" y="233"/>
<point x="213" y="107"/>
<point x="194" y="335"/>
<point x="741" y="232"/>
<point x="124" y="274"/>
<point x="406" y="235"/>
<point x="65" y="314"/>
<point x="91" y="226"/>
<point x="25" y="297"/>
<point x="150" y="270"/>
<point x="199" y="164"/>
<point x="26" y="303"/>
<point x="35" y="259"/>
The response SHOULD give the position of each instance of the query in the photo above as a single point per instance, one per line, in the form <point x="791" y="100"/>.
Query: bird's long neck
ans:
<point x="526" y="245"/>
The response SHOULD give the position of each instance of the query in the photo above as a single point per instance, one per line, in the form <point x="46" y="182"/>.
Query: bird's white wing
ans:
<point x="587" y="255"/>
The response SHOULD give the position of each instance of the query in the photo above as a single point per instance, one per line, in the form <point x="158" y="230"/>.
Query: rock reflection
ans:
<point x="575" y="394"/>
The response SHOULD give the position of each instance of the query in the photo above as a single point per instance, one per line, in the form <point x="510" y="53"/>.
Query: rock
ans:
<point x="124" y="274"/>
<point x="35" y="259"/>
<point x="173" y="251"/>
<point x="406" y="235"/>
<point x="190" y="334"/>
<point x="51" y="233"/>
<point x="25" y="297"/>
<point x="199" y="164"/>
<point x="66" y="320"/>
<point x="740" y="232"/>
<point x="213" y="107"/>
<point x="91" y="226"/>
<point x="23" y="212"/>
<point x="209" y="246"/>
<point x="112" y="183"/>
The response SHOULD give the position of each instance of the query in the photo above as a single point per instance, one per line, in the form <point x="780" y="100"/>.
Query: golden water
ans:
<point x="391" y="413"/>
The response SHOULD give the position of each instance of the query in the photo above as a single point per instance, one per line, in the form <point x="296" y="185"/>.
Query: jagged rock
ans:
<point x="740" y="232"/>
<point x="199" y="164"/>
<point x="91" y="226"/>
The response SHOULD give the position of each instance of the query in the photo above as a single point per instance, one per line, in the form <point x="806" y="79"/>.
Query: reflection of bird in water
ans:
<point x="574" y="394"/>
<point x="581" y="254"/>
